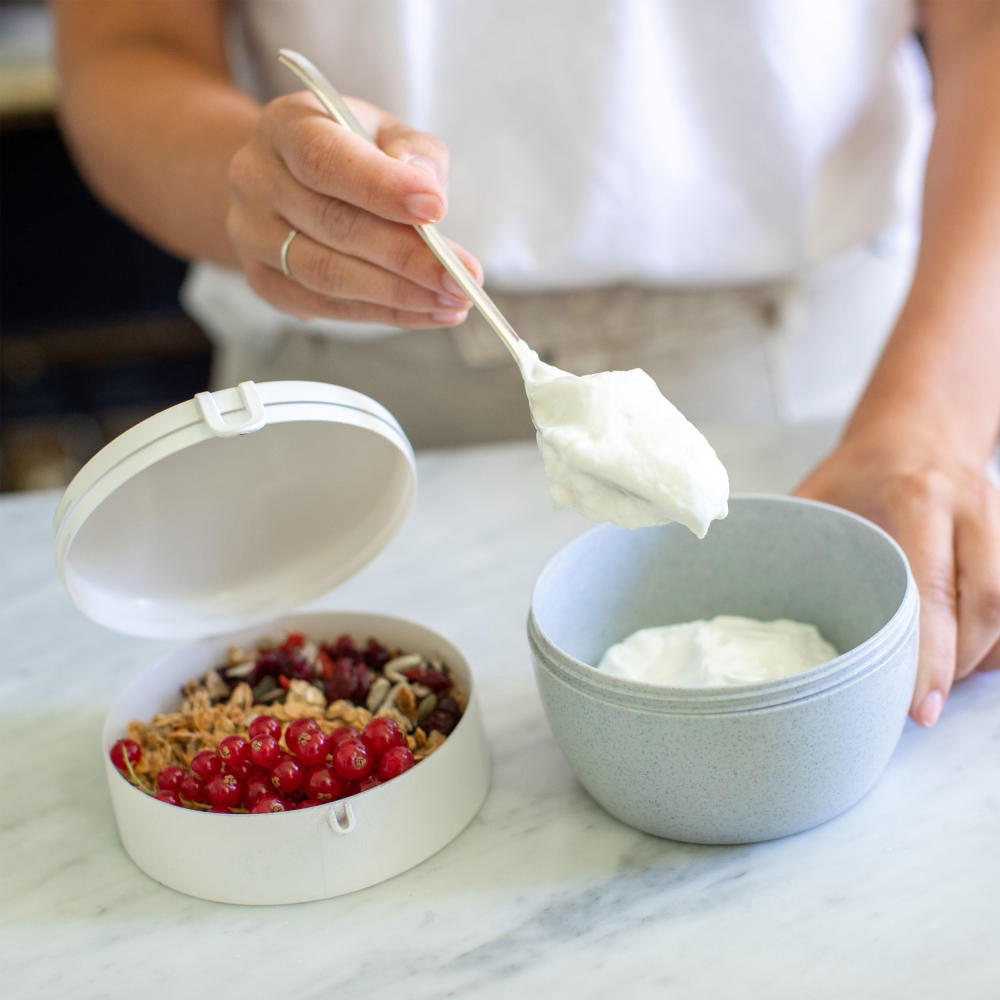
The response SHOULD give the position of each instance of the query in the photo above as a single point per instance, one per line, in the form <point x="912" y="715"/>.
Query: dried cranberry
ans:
<point x="433" y="679"/>
<point x="444" y="718"/>
<point x="344" y="646"/>
<point x="268" y="664"/>
<point x="364" y="678"/>
<point x="295" y="640"/>
<point x="296" y="667"/>
<point x="342" y="681"/>
<point x="376" y="655"/>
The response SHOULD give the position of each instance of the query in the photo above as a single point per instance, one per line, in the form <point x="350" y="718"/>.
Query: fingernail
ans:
<point x="452" y="287"/>
<point x="427" y="207"/>
<point x="929" y="709"/>
<point x="422" y="163"/>
<point x="453" y="301"/>
<point x="449" y="316"/>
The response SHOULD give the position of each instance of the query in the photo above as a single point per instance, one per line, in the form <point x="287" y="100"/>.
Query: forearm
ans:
<point x="941" y="367"/>
<point x="153" y="126"/>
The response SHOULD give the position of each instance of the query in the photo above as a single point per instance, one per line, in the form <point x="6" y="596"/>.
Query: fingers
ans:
<point x="328" y="159"/>
<point x="295" y="299"/>
<point x="348" y="229"/>
<point x="343" y="276"/>
<point x="977" y="552"/>
<point x="991" y="661"/>
<point x="353" y="207"/>
<point x="929" y="546"/>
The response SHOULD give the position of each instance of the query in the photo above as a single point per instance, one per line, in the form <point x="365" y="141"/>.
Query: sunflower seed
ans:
<point x="393" y="669"/>
<point x="377" y="694"/>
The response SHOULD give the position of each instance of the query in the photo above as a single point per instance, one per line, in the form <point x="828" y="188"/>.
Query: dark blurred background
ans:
<point x="92" y="338"/>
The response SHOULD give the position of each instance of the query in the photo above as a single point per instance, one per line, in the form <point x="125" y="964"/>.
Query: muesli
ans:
<point x="293" y="724"/>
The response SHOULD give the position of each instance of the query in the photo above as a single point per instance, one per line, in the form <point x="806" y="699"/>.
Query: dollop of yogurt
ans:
<point x="616" y="449"/>
<point x="721" y="651"/>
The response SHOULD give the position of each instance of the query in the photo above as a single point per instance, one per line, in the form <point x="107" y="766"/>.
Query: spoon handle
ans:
<point x="338" y="109"/>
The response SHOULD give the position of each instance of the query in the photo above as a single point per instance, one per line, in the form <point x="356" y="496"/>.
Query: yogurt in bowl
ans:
<point x="729" y="763"/>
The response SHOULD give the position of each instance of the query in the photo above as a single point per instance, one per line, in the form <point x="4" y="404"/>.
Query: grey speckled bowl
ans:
<point x="742" y="763"/>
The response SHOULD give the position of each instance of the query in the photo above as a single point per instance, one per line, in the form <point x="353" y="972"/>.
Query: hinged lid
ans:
<point x="233" y="508"/>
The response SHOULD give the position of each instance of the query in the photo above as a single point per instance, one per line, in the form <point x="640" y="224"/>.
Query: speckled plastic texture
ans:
<point x="730" y="764"/>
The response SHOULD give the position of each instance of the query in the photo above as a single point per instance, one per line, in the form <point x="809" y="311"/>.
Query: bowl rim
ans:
<point x="866" y="657"/>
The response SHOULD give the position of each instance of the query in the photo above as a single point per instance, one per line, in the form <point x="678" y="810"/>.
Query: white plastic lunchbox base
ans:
<point x="306" y="854"/>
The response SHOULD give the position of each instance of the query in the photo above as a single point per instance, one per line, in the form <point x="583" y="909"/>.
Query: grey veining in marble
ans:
<point x="544" y="894"/>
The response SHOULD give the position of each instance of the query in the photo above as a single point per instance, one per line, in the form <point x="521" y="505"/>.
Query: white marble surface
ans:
<point x="544" y="894"/>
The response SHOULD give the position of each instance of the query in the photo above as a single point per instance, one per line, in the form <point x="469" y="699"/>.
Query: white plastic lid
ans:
<point x="232" y="508"/>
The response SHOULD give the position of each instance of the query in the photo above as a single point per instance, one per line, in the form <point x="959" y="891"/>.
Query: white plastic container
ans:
<point x="217" y="517"/>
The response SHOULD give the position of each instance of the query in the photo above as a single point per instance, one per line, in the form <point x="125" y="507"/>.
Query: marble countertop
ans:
<point x="544" y="894"/>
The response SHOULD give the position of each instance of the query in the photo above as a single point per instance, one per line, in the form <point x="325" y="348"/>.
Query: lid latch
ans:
<point x="252" y="403"/>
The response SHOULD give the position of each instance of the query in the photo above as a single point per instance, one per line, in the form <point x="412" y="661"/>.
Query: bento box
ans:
<point x="212" y="521"/>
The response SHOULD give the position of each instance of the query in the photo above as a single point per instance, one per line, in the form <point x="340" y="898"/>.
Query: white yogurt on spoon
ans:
<point x="616" y="449"/>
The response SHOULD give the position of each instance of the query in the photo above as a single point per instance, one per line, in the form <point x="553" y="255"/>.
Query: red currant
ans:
<point x="168" y="779"/>
<point x="340" y="734"/>
<point x="191" y="789"/>
<point x="269" y="804"/>
<point x="255" y="787"/>
<point x="242" y="769"/>
<point x="324" y="784"/>
<point x="264" y="749"/>
<point x="381" y="735"/>
<point x="123" y="748"/>
<point x="206" y="764"/>
<point x="394" y="763"/>
<point x="221" y="809"/>
<point x="169" y="797"/>
<point x="352" y="760"/>
<point x="311" y="746"/>
<point x="234" y="750"/>
<point x="287" y="775"/>
<point x="370" y="782"/>
<point x="265" y="725"/>
<point x="295" y="728"/>
<point x="224" y="790"/>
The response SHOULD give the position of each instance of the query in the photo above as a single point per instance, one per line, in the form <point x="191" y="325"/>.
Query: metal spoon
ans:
<point x="338" y="109"/>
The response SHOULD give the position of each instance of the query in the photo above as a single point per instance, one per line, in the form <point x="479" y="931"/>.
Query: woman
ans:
<point x="721" y="194"/>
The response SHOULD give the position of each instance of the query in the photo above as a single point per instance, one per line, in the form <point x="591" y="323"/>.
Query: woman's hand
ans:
<point x="945" y="514"/>
<point x="356" y="256"/>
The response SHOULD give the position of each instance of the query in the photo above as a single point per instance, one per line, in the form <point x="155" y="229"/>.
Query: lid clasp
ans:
<point x="253" y="421"/>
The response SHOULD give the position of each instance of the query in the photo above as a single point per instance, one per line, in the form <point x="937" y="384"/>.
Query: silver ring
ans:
<point x="284" y="253"/>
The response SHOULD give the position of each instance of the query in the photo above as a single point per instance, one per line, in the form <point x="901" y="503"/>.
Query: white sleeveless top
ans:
<point x="652" y="142"/>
